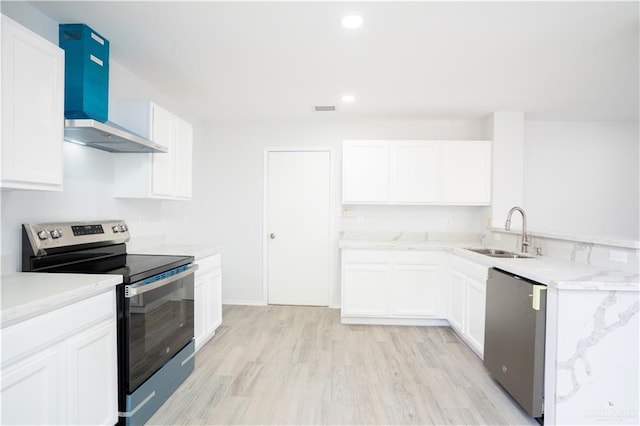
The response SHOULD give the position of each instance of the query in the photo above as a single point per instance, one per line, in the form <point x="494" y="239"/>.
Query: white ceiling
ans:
<point x="410" y="60"/>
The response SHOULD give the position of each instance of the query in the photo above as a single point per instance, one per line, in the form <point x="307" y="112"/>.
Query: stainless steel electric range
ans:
<point x="154" y="303"/>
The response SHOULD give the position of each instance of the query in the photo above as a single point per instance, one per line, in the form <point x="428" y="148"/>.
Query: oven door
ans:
<point x="158" y="322"/>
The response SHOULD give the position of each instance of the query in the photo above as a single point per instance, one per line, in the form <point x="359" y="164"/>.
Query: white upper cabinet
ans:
<point x="365" y="172"/>
<point x="32" y="109"/>
<point x="414" y="172"/>
<point x="466" y="172"/>
<point x="164" y="175"/>
<point x="163" y="127"/>
<point x="417" y="172"/>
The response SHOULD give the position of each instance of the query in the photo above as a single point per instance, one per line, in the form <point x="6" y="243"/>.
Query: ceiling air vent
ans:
<point x="324" y="108"/>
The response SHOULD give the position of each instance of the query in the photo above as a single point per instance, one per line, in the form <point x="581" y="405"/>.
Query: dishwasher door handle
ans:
<point x="535" y="302"/>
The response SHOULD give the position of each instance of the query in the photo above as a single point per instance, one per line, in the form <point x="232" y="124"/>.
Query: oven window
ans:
<point x="160" y="324"/>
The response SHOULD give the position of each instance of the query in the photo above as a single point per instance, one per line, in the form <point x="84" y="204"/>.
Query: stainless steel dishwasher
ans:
<point x="514" y="337"/>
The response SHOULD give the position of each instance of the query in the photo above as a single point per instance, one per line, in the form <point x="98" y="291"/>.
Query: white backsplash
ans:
<point x="580" y="252"/>
<point x="449" y="237"/>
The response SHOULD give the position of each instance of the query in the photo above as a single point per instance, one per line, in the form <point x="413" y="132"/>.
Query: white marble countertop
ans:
<point x="562" y="274"/>
<point x="197" y="251"/>
<point x="403" y="245"/>
<point x="28" y="294"/>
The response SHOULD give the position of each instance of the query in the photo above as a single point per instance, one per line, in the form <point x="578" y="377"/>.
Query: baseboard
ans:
<point x="434" y="322"/>
<point x="243" y="302"/>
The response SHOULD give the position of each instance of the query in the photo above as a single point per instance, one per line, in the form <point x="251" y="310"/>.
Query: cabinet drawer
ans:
<point x="367" y="256"/>
<point x="49" y="328"/>
<point x="474" y="270"/>
<point x="408" y="257"/>
<point x="208" y="263"/>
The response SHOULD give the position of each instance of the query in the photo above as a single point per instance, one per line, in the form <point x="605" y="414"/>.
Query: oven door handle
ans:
<point x="136" y="289"/>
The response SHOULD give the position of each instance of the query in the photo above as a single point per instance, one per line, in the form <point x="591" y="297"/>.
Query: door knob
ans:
<point x="272" y="236"/>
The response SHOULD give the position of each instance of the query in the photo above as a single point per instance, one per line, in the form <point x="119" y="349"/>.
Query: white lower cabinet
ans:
<point x="416" y="291"/>
<point x="457" y="288"/>
<point x="467" y="290"/>
<point x="391" y="287"/>
<point x="90" y="385"/>
<point x="208" y="299"/>
<point x="476" y="300"/>
<point x="30" y="391"/>
<point x="364" y="291"/>
<point x="61" y="367"/>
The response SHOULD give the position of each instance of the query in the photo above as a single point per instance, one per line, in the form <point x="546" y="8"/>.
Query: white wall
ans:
<point x="582" y="178"/>
<point x="227" y="207"/>
<point x="506" y="129"/>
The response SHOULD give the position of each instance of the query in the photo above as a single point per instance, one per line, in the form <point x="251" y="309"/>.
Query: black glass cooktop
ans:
<point x="107" y="260"/>
<point x="140" y="266"/>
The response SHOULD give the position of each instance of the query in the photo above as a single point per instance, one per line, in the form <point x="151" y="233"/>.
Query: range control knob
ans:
<point x="115" y="229"/>
<point x="124" y="227"/>
<point x="56" y="233"/>
<point x="43" y="235"/>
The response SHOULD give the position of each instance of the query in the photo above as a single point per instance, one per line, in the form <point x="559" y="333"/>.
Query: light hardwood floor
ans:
<point x="299" y="365"/>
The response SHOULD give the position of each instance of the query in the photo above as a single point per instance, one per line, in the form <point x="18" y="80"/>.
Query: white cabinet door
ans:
<point x="60" y="367"/>
<point x="92" y="376"/>
<point x="163" y="169"/>
<point x="414" y="172"/>
<point x="416" y="290"/>
<point x="476" y="298"/>
<point x="457" y="284"/>
<point x="467" y="282"/>
<point x="32" y="391"/>
<point x="32" y="109"/>
<point x="365" y="172"/>
<point x="417" y="172"/>
<point x="200" y="310"/>
<point x="207" y="299"/>
<point x="183" y="159"/>
<point x="466" y="172"/>
<point x="215" y="301"/>
<point x="166" y="175"/>
<point x="364" y="290"/>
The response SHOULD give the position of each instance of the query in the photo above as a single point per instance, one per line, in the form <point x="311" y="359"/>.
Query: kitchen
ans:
<point x="559" y="154"/>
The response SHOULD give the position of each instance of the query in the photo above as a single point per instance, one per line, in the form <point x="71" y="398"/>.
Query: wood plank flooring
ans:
<point x="285" y="365"/>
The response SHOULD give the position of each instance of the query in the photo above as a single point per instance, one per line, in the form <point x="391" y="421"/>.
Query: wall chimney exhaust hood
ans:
<point x="108" y="137"/>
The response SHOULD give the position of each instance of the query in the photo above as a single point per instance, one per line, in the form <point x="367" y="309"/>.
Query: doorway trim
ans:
<point x="333" y="240"/>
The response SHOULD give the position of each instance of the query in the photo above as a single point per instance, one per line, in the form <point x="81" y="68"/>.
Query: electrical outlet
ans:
<point x="618" y="256"/>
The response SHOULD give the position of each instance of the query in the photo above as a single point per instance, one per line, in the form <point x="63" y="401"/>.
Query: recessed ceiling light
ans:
<point x="352" y="21"/>
<point x="348" y="98"/>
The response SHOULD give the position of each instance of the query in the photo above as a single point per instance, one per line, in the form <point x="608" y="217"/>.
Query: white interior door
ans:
<point x="298" y="225"/>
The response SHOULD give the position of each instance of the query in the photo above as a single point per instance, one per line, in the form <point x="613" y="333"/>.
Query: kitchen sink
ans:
<point x="499" y="253"/>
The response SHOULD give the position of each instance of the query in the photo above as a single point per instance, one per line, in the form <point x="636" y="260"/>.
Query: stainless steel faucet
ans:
<point x="507" y="226"/>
